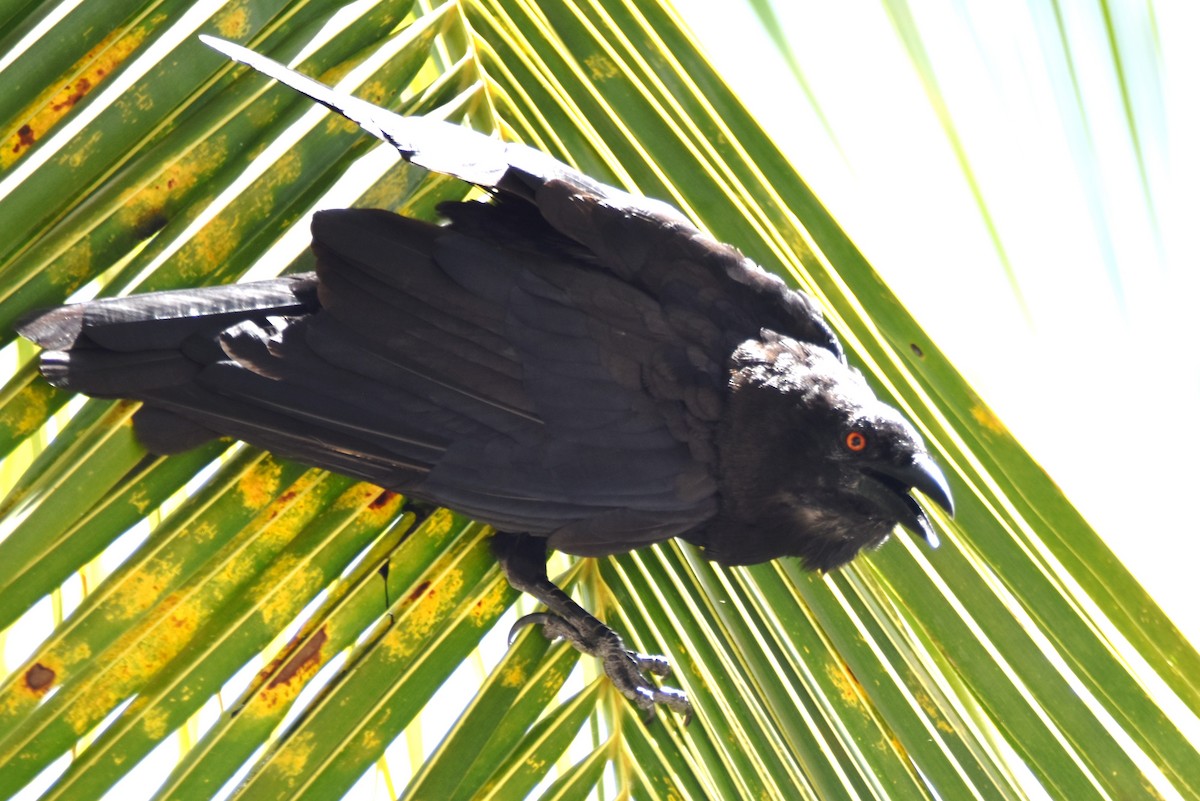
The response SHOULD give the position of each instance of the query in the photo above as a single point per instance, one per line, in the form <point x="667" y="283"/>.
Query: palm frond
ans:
<point x="337" y="618"/>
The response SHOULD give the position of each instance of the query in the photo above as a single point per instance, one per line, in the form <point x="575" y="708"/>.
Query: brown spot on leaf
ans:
<point x="382" y="499"/>
<point x="73" y="94"/>
<point x="281" y="503"/>
<point x="39" y="677"/>
<point x="304" y="661"/>
<point x="419" y="591"/>
<point x="916" y="349"/>
<point x="25" y="138"/>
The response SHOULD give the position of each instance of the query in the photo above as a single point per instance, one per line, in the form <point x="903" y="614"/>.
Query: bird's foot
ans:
<point x="625" y="669"/>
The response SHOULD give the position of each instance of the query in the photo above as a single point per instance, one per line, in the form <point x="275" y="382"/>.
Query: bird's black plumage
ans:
<point x="575" y="365"/>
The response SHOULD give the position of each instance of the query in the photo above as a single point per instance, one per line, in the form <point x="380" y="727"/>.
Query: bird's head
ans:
<point x="817" y="466"/>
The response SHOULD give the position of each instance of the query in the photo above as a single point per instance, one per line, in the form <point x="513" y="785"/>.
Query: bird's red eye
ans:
<point x="856" y="441"/>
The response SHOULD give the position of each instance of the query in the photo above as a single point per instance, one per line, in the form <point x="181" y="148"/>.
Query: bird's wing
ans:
<point x="573" y="409"/>
<point x="521" y="387"/>
<point x="173" y="350"/>
<point x="643" y="241"/>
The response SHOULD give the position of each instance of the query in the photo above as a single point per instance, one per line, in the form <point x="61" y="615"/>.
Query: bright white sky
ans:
<point x="1102" y="380"/>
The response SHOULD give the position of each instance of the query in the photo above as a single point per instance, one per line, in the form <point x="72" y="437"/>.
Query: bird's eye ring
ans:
<point x="856" y="441"/>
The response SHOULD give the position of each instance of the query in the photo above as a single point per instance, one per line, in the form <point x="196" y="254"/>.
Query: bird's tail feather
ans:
<point x="139" y="346"/>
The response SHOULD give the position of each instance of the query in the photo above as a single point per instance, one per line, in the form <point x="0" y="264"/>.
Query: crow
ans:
<point x="579" y="367"/>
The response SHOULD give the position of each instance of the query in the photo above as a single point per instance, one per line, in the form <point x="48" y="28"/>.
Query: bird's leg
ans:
<point x="523" y="558"/>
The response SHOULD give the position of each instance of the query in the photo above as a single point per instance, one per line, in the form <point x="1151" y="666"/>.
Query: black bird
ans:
<point x="577" y="366"/>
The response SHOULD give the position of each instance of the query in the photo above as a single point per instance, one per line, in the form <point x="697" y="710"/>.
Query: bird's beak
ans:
<point x="924" y="475"/>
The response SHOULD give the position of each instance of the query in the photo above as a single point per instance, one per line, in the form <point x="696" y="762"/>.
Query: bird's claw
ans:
<point x="625" y="669"/>
<point x="553" y="627"/>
